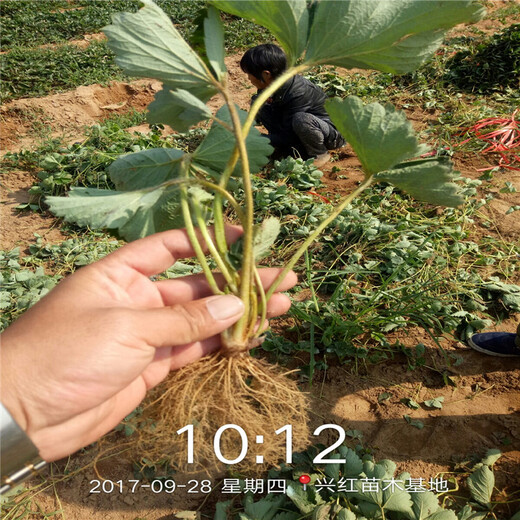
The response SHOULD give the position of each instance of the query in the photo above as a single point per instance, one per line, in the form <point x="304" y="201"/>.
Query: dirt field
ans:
<point x="481" y="411"/>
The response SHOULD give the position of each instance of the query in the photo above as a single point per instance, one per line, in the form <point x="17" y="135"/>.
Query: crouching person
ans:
<point x="294" y="116"/>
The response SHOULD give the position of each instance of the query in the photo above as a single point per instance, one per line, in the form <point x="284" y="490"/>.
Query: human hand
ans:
<point x="82" y="358"/>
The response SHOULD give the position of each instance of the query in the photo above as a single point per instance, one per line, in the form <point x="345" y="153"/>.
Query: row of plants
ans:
<point x="355" y="489"/>
<point x="43" y="71"/>
<point x="29" y="23"/>
<point x="33" y="68"/>
<point x="468" y="64"/>
<point x="392" y="265"/>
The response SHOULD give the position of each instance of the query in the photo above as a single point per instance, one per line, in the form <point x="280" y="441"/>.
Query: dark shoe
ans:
<point x="495" y="344"/>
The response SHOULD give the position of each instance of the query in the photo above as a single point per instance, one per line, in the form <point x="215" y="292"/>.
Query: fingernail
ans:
<point x="224" y="307"/>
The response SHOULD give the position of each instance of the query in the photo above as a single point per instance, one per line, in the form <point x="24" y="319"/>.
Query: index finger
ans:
<point x="156" y="253"/>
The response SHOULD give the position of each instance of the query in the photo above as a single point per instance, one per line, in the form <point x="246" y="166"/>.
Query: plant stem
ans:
<point x="192" y="235"/>
<point x="312" y="363"/>
<point x="310" y="239"/>
<point x="246" y="324"/>
<point x="247" y="224"/>
<point x="212" y="249"/>
<point x="221" y="192"/>
<point x="262" y="306"/>
<point x="255" y="107"/>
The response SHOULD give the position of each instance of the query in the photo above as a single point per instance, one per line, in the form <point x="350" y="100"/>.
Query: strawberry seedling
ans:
<point x="164" y="188"/>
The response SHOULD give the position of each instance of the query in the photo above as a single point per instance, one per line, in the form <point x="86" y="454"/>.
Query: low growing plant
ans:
<point x="164" y="188"/>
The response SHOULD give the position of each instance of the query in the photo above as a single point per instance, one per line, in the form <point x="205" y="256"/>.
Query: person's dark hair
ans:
<point x="264" y="57"/>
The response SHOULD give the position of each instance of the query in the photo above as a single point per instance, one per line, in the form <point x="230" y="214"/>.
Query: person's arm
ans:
<point x="82" y="358"/>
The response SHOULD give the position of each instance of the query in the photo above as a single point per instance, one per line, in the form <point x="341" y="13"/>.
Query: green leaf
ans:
<point x="130" y="212"/>
<point x="214" y="42"/>
<point x="305" y="500"/>
<point x="436" y="402"/>
<point x="388" y="466"/>
<point x="388" y="35"/>
<point x="384" y="397"/>
<point x="168" y="214"/>
<point x="368" y="488"/>
<point x="509" y="293"/>
<point x="384" y="469"/>
<point x="397" y="500"/>
<point x="145" y="169"/>
<point x="135" y="214"/>
<point x="424" y="504"/>
<point x="467" y="513"/>
<point x="221" y="510"/>
<point x="481" y="483"/>
<point x="369" y="510"/>
<point x="321" y="512"/>
<point x="346" y="514"/>
<point x="287" y="516"/>
<point x="215" y="150"/>
<point x="414" y="422"/>
<point x="491" y="457"/>
<point x="265" y="236"/>
<point x="414" y="405"/>
<point x="353" y="465"/>
<point x="147" y="44"/>
<point x="333" y="470"/>
<point x="516" y="516"/>
<point x="381" y="136"/>
<point x="288" y="20"/>
<point x="444" y="514"/>
<point x="429" y="181"/>
<point x="179" y="108"/>
<point x="265" y="508"/>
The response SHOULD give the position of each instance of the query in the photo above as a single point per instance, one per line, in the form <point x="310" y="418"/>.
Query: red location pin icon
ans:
<point x="305" y="479"/>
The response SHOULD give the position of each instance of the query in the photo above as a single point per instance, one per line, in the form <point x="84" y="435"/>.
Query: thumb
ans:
<point x="192" y="321"/>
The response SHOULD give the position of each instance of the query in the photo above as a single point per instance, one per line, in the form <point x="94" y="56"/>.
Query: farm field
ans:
<point x="387" y="296"/>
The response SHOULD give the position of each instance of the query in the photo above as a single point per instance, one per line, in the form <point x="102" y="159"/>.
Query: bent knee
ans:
<point x="302" y="119"/>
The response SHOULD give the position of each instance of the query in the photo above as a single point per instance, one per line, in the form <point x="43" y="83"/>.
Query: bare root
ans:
<point x="216" y="391"/>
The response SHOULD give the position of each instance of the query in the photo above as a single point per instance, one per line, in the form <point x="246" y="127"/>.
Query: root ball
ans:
<point x="217" y="391"/>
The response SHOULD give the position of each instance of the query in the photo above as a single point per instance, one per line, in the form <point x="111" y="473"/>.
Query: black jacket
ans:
<point x="298" y="94"/>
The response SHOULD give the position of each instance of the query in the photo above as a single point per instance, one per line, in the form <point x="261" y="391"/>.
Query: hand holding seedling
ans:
<point x="163" y="188"/>
<point x="80" y="360"/>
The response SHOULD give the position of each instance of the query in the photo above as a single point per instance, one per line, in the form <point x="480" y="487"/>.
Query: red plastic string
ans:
<point x="324" y="199"/>
<point x="504" y="140"/>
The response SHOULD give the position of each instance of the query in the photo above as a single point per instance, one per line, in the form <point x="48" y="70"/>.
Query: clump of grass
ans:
<point x="489" y="66"/>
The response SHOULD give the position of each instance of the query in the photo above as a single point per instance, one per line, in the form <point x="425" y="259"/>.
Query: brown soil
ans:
<point x="18" y="228"/>
<point x="481" y="411"/>
<point x="67" y="114"/>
